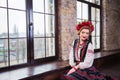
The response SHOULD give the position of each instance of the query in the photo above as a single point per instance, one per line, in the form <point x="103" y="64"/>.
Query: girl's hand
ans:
<point x="71" y="71"/>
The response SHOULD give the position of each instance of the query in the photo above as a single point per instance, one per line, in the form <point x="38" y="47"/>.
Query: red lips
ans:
<point x="84" y="37"/>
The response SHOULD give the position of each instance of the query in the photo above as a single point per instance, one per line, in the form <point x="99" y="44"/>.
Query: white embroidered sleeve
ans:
<point x="71" y="56"/>
<point x="89" y="58"/>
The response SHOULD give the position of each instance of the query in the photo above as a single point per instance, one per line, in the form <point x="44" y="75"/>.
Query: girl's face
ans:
<point x="84" y="34"/>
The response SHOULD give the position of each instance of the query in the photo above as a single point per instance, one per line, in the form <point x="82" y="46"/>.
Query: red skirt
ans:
<point x="87" y="74"/>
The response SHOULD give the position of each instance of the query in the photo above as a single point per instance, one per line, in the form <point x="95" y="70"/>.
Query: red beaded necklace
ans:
<point x="80" y="46"/>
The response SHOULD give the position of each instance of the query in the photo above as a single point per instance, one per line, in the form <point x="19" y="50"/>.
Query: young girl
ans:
<point x="81" y="56"/>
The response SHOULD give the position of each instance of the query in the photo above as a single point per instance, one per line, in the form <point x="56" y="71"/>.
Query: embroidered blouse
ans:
<point x="88" y="60"/>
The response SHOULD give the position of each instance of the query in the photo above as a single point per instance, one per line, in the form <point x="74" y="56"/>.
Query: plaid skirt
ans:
<point x="87" y="74"/>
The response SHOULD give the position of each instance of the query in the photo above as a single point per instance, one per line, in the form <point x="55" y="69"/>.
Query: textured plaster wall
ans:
<point x="111" y="26"/>
<point x="66" y="26"/>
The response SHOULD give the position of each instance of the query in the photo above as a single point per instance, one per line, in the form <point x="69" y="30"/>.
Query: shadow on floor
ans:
<point x="112" y="69"/>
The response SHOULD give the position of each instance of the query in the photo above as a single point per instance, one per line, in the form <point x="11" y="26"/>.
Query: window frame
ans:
<point x="90" y="5"/>
<point x="30" y="37"/>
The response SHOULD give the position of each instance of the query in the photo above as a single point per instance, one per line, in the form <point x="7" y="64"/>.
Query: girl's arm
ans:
<point x="71" y="56"/>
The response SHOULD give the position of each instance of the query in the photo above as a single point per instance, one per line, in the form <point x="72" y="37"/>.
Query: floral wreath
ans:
<point x="87" y="24"/>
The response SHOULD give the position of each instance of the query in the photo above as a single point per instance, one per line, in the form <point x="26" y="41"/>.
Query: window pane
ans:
<point x="3" y="52"/>
<point x="93" y="14"/>
<point x="50" y="47"/>
<point x="97" y="42"/>
<point x="97" y="28"/>
<point x="93" y="42"/>
<point x="49" y="6"/>
<point x="17" y="4"/>
<point x="38" y="5"/>
<point x="3" y="3"/>
<point x="39" y="48"/>
<point x="96" y="22"/>
<point x="87" y="0"/>
<point x="94" y="32"/>
<point x="84" y="11"/>
<point x="38" y="24"/>
<point x="18" y="51"/>
<point x="97" y="14"/>
<point x="94" y="1"/>
<point x="78" y="21"/>
<point x="3" y="23"/>
<point x="97" y="2"/>
<point x="79" y="10"/>
<point x="50" y="25"/>
<point x="17" y="23"/>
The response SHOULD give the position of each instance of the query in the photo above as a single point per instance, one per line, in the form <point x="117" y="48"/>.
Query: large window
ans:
<point x="13" y="48"/>
<point x="27" y="31"/>
<point x="95" y="18"/>
<point x="44" y="35"/>
<point x="90" y="10"/>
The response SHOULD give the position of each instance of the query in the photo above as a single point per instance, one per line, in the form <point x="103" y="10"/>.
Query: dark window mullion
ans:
<point x="45" y="28"/>
<point x="89" y="12"/>
<point x="29" y="16"/>
<point x="89" y="17"/>
<point x="8" y="35"/>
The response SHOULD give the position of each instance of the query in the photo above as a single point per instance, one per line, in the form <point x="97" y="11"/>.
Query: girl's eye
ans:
<point x="83" y="32"/>
<point x="87" y="33"/>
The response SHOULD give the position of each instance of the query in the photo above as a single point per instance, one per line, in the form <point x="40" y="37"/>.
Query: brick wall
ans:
<point x="110" y="26"/>
<point x="66" y="25"/>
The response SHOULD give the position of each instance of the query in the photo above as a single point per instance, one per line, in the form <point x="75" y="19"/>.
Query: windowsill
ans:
<point x="31" y="71"/>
